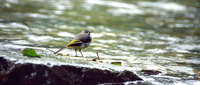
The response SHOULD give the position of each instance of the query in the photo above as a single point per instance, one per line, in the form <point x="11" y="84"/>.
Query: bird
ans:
<point x="81" y="41"/>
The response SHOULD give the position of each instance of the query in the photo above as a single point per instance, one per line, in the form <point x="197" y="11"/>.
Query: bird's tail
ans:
<point x="59" y="50"/>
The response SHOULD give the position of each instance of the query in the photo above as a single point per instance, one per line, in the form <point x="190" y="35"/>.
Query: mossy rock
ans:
<point x="30" y="52"/>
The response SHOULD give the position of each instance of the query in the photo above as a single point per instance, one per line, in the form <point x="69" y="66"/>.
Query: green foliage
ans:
<point x="116" y="63"/>
<point x="30" y="52"/>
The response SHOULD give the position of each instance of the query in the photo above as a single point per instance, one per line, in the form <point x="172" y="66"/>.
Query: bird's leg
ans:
<point x="76" y="53"/>
<point x="80" y="52"/>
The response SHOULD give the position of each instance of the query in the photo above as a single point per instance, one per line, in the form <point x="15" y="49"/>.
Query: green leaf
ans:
<point x="30" y="52"/>
<point x="116" y="63"/>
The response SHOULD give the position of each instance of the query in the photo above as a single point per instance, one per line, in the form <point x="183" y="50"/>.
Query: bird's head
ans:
<point x="87" y="31"/>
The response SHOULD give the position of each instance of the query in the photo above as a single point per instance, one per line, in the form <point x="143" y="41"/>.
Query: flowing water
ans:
<point x="159" y="35"/>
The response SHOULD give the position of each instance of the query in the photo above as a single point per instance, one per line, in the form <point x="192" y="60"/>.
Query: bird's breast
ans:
<point x="84" y="45"/>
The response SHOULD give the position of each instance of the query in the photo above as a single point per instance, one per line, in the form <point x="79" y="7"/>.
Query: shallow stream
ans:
<point x="159" y="35"/>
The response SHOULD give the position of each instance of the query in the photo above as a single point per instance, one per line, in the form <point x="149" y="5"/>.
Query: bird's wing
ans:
<point x="75" y="43"/>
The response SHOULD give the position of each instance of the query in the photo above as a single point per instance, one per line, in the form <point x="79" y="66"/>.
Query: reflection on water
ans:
<point x="160" y="35"/>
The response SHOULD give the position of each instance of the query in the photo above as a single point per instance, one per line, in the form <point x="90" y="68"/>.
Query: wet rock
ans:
<point x="37" y="74"/>
<point x="150" y="72"/>
<point x="4" y="65"/>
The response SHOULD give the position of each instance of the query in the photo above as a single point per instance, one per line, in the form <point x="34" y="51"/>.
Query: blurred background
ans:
<point x="158" y="34"/>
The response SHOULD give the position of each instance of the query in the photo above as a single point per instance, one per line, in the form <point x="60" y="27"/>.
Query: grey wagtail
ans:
<point x="81" y="41"/>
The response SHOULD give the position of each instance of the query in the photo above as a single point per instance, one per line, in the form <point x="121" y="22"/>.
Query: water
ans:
<point x="159" y="35"/>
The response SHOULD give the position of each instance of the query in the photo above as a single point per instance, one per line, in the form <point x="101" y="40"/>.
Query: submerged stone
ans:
<point x="150" y="72"/>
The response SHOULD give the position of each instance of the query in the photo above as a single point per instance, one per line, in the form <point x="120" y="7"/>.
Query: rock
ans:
<point x="12" y="73"/>
<point x="150" y="72"/>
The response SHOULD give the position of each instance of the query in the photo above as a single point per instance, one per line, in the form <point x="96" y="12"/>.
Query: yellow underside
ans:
<point x="75" y="47"/>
